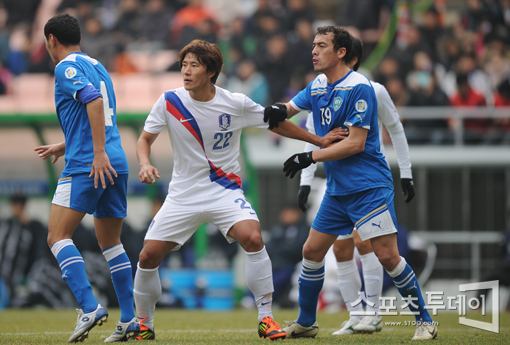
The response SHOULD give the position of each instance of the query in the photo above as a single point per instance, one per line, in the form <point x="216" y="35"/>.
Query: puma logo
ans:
<point x="378" y="225"/>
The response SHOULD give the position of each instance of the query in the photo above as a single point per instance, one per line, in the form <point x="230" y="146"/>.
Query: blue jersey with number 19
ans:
<point x="72" y="74"/>
<point x="348" y="102"/>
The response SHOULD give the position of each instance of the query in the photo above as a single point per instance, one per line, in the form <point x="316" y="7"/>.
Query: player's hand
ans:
<point x="335" y="135"/>
<point x="147" y="173"/>
<point x="302" y="197"/>
<point x="297" y="162"/>
<point x="101" y="166"/>
<point x="275" y="114"/>
<point x="55" y="150"/>
<point x="407" y="189"/>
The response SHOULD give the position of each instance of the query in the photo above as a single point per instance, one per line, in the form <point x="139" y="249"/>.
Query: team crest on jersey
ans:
<point x="70" y="72"/>
<point x="337" y="103"/>
<point x="361" y="106"/>
<point x="225" y="120"/>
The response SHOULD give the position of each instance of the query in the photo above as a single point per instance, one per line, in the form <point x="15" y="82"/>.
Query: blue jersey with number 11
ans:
<point x="348" y="102"/>
<point x="72" y="74"/>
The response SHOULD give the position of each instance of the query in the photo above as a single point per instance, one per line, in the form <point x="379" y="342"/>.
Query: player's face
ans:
<point x="194" y="74"/>
<point x="324" y="56"/>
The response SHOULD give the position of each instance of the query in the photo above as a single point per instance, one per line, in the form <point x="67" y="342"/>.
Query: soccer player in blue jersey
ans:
<point x="359" y="189"/>
<point x="85" y="103"/>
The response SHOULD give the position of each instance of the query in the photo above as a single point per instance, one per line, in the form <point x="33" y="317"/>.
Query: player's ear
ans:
<point x="341" y="53"/>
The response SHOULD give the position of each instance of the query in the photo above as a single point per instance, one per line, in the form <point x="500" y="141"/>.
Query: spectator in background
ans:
<point x="388" y="68"/>
<point x="17" y="57"/>
<point x="250" y="82"/>
<point x="300" y="47"/>
<point x="22" y="243"/>
<point x="502" y="99"/>
<point x="398" y="92"/>
<point x="424" y="92"/>
<point x="298" y="10"/>
<point x="466" y="96"/>
<point x="190" y="16"/>
<point x="496" y="61"/>
<point x="275" y="66"/>
<point x="431" y="31"/>
<point x="128" y="25"/>
<point x="285" y="250"/>
<point x="97" y="43"/>
<point x="478" y="79"/>
<point x="155" y="25"/>
<point x="369" y="17"/>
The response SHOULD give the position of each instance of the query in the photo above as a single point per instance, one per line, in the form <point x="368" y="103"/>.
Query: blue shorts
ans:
<point x="371" y="212"/>
<point x="77" y="192"/>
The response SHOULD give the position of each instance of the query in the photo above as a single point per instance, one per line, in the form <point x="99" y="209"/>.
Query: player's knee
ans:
<point x="252" y="241"/>
<point x="388" y="260"/>
<point x="364" y="247"/>
<point x="146" y="259"/>
<point x="342" y="252"/>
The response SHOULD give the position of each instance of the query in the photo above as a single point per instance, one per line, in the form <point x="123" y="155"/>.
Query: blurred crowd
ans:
<point x="447" y="54"/>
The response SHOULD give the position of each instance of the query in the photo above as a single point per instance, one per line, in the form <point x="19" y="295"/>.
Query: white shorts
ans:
<point x="177" y="223"/>
<point x="345" y="237"/>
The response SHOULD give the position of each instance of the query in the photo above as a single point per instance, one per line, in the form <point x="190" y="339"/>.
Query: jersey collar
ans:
<point x="339" y="81"/>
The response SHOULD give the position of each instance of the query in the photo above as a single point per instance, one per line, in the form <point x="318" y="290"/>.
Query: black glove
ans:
<point x="275" y="114"/>
<point x="302" y="197"/>
<point x="297" y="162"/>
<point x="407" y="189"/>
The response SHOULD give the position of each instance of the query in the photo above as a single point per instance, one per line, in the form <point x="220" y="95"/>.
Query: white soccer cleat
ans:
<point x="425" y="331"/>
<point x="85" y="322"/>
<point x="369" y="324"/>
<point x="295" y="330"/>
<point x="124" y="331"/>
<point x="347" y="327"/>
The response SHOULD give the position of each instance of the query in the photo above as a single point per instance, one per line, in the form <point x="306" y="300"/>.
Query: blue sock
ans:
<point x="122" y="277"/>
<point x="73" y="272"/>
<point x="405" y="280"/>
<point x="310" y="282"/>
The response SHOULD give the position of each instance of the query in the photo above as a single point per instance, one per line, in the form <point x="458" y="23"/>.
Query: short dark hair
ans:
<point x="207" y="54"/>
<point x="65" y="28"/>
<point x="18" y="198"/>
<point x="341" y="39"/>
<point x="357" y="52"/>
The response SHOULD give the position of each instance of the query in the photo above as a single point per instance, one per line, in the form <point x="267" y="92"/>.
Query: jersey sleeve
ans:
<point x="302" y="101"/>
<point x="253" y="114"/>
<point x="362" y="107"/>
<point x="387" y="111"/>
<point x="70" y="78"/>
<point x="157" y="119"/>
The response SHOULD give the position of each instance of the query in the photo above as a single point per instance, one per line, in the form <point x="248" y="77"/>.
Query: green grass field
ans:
<point x="232" y="327"/>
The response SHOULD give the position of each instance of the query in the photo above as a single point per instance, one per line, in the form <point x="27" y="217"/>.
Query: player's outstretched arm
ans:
<point x="290" y="130"/>
<point x="101" y="164"/>
<point x="55" y="150"/>
<point x="143" y="152"/>
<point x="278" y="112"/>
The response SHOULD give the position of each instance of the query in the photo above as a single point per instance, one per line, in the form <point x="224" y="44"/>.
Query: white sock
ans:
<point x="373" y="277"/>
<point x="146" y="292"/>
<point x="349" y="282"/>
<point x="259" y="278"/>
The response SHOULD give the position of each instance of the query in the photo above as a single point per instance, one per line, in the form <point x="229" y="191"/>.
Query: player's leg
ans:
<point x="237" y="220"/>
<point x="67" y="210"/>
<point x="108" y="235"/>
<point x="259" y="275"/>
<point x="379" y="225"/>
<point x="172" y="226"/>
<point x="373" y="278"/>
<point x="349" y="282"/>
<point x="110" y="213"/>
<point x="331" y="220"/>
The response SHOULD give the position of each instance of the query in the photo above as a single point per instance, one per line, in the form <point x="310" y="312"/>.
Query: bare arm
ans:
<point x="143" y="152"/>
<point x="353" y="144"/>
<point x="290" y="110"/>
<point x="290" y="130"/>
<point x="55" y="150"/>
<point x="101" y="164"/>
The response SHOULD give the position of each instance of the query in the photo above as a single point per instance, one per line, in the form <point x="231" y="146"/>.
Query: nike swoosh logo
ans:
<point x="183" y="120"/>
<point x="265" y="303"/>
<point x="371" y="295"/>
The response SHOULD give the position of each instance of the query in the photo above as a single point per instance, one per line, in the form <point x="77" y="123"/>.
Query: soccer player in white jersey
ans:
<point x="86" y="110"/>
<point x="359" y="192"/>
<point x="205" y="123"/>
<point x="349" y="280"/>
